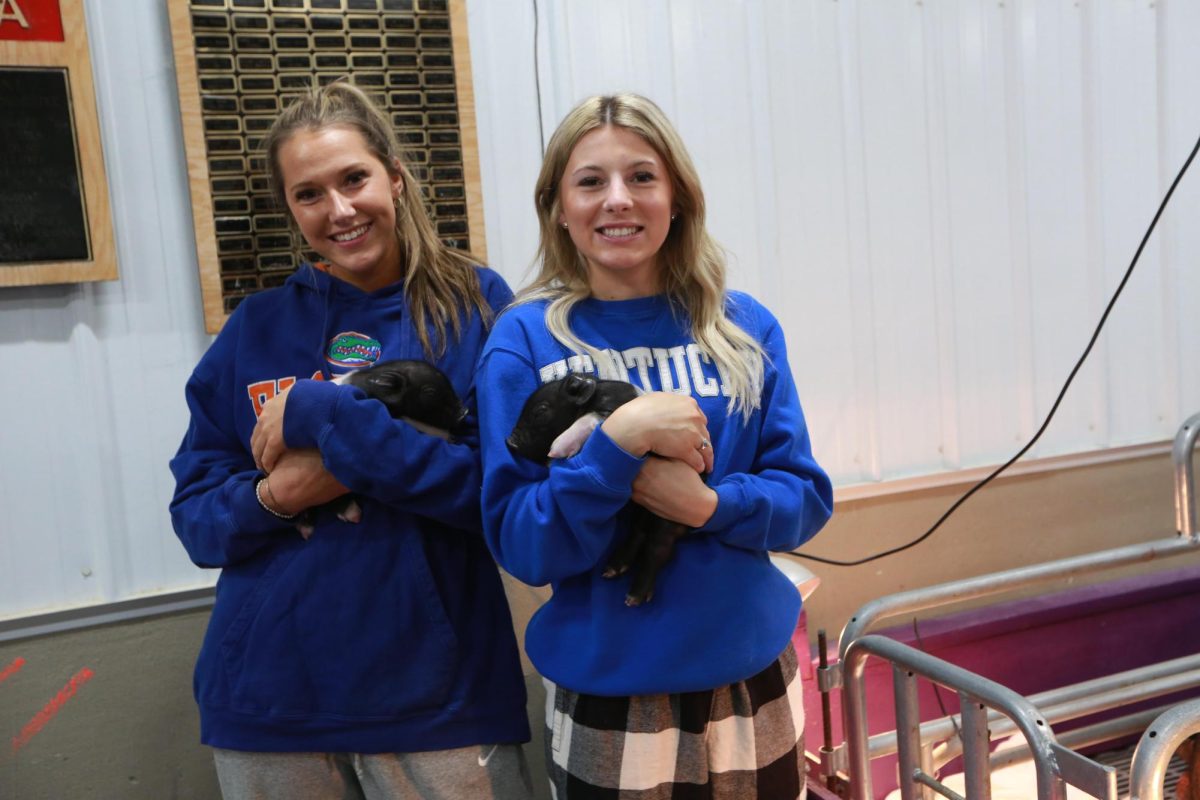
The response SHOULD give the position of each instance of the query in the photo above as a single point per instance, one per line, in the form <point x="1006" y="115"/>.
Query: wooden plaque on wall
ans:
<point x="55" y="225"/>
<point x="239" y="62"/>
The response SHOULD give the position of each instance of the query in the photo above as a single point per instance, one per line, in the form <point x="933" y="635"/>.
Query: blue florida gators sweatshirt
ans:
<point x="721" y="611"/>
<point x="392" y="634"/>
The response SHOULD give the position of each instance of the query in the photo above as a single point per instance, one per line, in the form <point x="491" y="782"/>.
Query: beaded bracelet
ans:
<point x="258" y="496"/>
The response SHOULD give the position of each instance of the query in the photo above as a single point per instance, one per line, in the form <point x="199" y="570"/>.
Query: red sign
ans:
<point x="31" y="20"/>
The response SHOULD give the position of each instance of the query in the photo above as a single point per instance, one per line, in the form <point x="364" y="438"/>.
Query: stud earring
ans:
<point x="564" y="226"/>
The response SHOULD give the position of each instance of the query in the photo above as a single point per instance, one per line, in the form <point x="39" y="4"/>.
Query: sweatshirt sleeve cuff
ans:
<point x="309" y="409"/>
<point x="612" y="466"/>
<point x="248" y="515"/>
<point x="729" y="508"/>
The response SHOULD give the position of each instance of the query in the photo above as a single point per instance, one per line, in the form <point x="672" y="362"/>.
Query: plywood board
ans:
<point x="239" y="62"/>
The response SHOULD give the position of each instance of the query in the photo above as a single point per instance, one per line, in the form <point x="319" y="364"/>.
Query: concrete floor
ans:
<point x="130" y="729"/>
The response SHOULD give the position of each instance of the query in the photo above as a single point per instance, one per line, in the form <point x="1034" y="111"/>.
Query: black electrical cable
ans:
<point x="1086" y="351"/>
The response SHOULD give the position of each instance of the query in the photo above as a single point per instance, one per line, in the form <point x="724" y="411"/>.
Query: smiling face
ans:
<point x="342" y="198"/>
<point x="616" y="203"/>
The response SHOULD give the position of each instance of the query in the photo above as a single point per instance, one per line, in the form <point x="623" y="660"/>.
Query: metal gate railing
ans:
<point x="1185" y="485"/>
<point x="1157" y="745"/>
<point x="857" y="763"/>
<point x="1055" y="765"/>
<point x="854" y="760"/>
<point x="1119" y="690"/>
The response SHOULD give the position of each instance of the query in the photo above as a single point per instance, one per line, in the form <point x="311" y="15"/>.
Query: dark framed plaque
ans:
<point x="239" y="62"/>
<point x="42" y="214"/>
<point x="54" y="215"/>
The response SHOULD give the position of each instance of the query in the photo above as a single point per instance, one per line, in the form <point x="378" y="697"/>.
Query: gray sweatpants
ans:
<point x="488" y="772"/>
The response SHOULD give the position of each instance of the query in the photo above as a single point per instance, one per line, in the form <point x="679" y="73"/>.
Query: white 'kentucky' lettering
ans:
<point x="560" y="368"/>
<point x="683" y="370"/>
<point x="612" y="366"/>
<point x="706" y="387"/>
<point x="640" y="359"/>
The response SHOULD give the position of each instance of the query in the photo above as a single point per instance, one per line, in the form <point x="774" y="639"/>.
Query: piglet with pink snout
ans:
<point x="554" y="423"/>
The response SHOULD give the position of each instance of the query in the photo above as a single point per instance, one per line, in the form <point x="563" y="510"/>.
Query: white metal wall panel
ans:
<point x="817" y="265"/>
<point x="977" y="277"/>
<point x="93" y="401"/>
<point x="154" y="331"/>
<point x="936" y="199"/>
<point x="891" y="96"/>
<point x="1178" y="24"/>
<point x="1056" y="218"/>
<point x="1124" y="75"/>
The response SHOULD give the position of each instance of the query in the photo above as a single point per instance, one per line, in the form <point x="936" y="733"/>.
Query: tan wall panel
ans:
<point x="1013" y="522"/>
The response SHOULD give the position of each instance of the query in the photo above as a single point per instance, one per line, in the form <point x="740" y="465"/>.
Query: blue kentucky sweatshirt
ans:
<point x="721" y="611"/>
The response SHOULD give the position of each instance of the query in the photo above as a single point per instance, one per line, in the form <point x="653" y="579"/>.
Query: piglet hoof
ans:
<point x="633" y="600"/>
<point x="351" y="513"/>
<point x="615" y="570"/>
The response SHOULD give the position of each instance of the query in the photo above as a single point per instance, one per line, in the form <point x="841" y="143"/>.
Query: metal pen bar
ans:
<point x="977" y="777"/>
<point x="938" y="786"/>
<point x="1185" y="496"/>
<point x="1186" y="672"/>
<point x="1050" y="785"/>
<point x="986" y="585"/>
<point x="826" y="711"/>
<point x="908" y="718"/>
<point x="1083" y="706"/>
<point x="869" y="615"/>
<point x="1083" y="737"/>
<point x="1027" y="717"/>
<point x="1081" y="773"/>
<point x="927" y="768"/>
<point x="1157" y="745"/>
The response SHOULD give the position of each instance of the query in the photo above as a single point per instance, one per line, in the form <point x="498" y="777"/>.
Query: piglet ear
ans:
<point x="570" y="441"/>
<point x="388" y="380"/>
<point x="580" y="388"/>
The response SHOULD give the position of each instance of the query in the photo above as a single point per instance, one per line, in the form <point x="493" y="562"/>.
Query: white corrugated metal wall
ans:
<point x="935" y="197"/>
<point x="92" y="405"/>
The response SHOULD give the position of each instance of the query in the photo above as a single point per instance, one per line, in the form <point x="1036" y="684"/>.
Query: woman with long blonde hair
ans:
<point x="697" y="688"/>
<point x="373" y="658"/>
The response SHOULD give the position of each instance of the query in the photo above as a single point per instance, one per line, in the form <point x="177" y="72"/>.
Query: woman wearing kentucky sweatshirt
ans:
<point x="647" y="698"/>
<point x="375" y="658"/>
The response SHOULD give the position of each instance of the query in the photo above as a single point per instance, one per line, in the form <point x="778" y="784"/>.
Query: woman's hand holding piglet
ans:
<point x="266" y="442"/>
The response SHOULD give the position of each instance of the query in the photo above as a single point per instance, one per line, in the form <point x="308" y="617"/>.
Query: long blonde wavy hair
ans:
<point x="440" y="283"/>
<point x="691" y="266"/>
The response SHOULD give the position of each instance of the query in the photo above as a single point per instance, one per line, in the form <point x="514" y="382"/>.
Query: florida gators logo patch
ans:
<point x="352" y="349"/>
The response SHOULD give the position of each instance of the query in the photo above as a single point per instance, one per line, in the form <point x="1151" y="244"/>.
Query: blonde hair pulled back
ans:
<point x="440" y="283"/>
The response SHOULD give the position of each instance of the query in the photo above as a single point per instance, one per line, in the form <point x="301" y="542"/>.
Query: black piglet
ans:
<point x="415" y="391"/>
<point x="554" y="422"/>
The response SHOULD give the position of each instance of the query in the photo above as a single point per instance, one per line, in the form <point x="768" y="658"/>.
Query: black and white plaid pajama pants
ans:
<point x="736" y="742"/>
